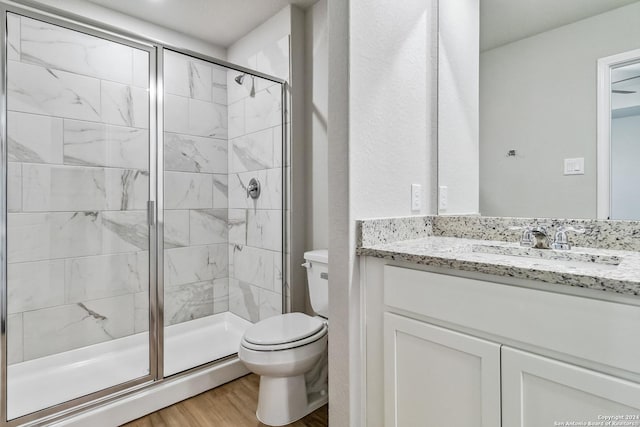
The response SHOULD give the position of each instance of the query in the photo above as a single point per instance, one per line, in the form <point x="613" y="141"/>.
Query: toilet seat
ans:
<point x="284" y="332"/>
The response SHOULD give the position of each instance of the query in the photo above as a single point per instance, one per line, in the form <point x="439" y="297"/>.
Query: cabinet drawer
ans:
<point x="599" y="331"/>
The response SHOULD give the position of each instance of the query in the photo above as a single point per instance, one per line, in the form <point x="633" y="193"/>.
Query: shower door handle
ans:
<point x="151" y="212"/>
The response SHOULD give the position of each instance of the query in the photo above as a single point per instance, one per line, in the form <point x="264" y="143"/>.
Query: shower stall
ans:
<point x="132" y="251"/>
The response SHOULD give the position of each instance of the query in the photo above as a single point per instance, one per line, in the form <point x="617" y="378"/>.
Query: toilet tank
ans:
<point x="317" y="264"/>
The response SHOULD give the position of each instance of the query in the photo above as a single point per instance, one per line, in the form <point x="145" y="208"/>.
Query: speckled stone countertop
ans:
<point x="580" y="267"/>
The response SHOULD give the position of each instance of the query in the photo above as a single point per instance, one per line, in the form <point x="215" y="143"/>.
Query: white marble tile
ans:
<point x="254" y="266"/>
<point x="176" y="114"/>
<point x="208" y="226"/>
<point x="41" y="236"/>
<point x="278" y="145"/>
<point x="220" y="191"/>
<point x="57" y="329"/>
<point x="76" y="188"/>
<point x="176" y="74"/>
<point x="278" y="276"/>
<point x="264" y="110"/>
<point x="141" y="312"/>
<point x="96" y="144"/>
<point x="252" y="152"/>
<point x="236" y="119"/>
<point x="244" y="300"/>
<point x="13" y="37"/>
<point x="140" y="68"/>
<point x="187" y="76"/>
<point x="273" y="59"/>
<point x="270" y="304"/>
<point x="219" y="85"/>
<point x="52" y="46"/>
<point x="238" y="226"/>
<point x="187" y="302"/>
<point x="96" y="277"/>
<point x="264" y="229"/>
<point x="124" y="231"/>
<point x="230" y="249"/>
<point x="124" y="105"/>
<point x="34" y="138"/>
<point x="15" y="352"/>
<point x="220" y="295"/>
<point x="200" y="80"/>
<point x="176" y="228"/>
<point x="188" y="190"/>
<point x="14" y="187"/>
<point x="33" y="89"/>
<point x="270" y="189"/>
<point x="207" y="119"/>
<point x="35" y="285"/>
<point x="195" y="264"/>
<point x="187" y="153"/>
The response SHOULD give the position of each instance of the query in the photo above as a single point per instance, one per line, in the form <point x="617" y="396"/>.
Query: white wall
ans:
<point x="130" y="24"/>
<point x="285" y="33"/>
<point x="625" y="174"/>
<point x="381" y="70"/>
<point x="316" y="115"/>
<point x="538" y="96"/>
<point x="458" y="92"/>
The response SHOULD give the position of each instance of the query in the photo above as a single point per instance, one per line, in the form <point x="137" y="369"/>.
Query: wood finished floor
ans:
<point x="233" y="404"/>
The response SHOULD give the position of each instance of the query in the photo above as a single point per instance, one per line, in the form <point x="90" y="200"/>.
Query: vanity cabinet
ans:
<point x="437" y="377"/>
<point x="456" y="351"/>
<point x="538" y="391"/>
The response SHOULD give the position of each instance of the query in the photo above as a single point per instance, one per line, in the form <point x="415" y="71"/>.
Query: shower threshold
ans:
<point x="40" y="383"/>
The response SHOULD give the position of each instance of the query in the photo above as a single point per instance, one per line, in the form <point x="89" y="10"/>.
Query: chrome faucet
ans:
<point x="561" y="240"/>
<point x="533" y="236"/>
<point x="540" y="237"/>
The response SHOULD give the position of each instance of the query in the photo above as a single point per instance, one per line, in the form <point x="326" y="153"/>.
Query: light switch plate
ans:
<point x="443" y="198"/>
<point x="574" y="166"/>
<point x="416" y="197"/>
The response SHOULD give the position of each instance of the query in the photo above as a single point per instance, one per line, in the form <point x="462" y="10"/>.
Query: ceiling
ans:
<point x="221" y="22"/>
<point x="505" y="21"/>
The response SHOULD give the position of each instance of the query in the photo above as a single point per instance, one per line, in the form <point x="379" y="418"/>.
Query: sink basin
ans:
<point x="549" y="257"/>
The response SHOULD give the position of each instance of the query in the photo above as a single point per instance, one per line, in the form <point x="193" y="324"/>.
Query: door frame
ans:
<point x="603" y="124"/>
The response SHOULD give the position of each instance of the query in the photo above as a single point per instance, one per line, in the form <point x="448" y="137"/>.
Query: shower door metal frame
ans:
<point x="63" y="22"/>
<point x="155" y="49"/>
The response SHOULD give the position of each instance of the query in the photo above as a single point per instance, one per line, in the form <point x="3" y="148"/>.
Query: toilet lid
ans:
<point x="283" y="329"/>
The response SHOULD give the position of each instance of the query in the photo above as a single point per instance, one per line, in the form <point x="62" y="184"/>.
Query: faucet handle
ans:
<point x="561" y="240"/>
<point x="527" y="237"/>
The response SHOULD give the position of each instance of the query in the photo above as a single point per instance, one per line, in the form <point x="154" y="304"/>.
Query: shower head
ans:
<point x="239" y="79"/>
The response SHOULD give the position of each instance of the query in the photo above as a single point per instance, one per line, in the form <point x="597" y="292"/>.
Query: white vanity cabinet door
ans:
<point x="435" y="377"/>
<point x="537" y="391"/>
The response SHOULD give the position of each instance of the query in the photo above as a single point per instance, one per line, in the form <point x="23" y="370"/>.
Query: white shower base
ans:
<point x="47" y="381"/>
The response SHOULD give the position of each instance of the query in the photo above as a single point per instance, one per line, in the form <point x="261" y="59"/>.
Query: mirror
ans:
<point x="538" y="117"/>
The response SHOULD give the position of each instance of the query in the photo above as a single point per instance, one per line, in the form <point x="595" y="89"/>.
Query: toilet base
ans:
<point x="283" y="400"/>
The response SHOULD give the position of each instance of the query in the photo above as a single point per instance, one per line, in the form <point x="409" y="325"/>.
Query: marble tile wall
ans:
<point x="255" y="151"/>
<point x="78" y="141"/>
<point x="196" y="238"/>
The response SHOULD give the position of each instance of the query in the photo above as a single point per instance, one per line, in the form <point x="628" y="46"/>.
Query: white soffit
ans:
<point x="221" y="22"/>
<point x="505" y="21"/>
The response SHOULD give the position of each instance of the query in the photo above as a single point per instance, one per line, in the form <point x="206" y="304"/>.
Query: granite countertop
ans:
<point x="616" y="271"/>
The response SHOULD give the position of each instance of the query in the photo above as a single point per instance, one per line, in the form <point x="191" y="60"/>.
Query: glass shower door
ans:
<point x="78" y="235"/>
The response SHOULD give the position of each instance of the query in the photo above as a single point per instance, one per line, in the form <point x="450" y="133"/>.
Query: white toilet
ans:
<point x="289" y="352"/>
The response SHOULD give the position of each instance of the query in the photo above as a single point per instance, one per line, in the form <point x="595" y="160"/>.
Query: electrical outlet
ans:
<point x="574" y="166"/>
<point x="416" y="197"/>
<point x="443" y="198"/>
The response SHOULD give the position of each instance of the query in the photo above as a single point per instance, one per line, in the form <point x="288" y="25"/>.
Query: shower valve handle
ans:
<point x="253" y="189"/>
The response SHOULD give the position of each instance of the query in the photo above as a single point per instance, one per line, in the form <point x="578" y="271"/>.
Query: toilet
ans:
<point x="289" y="352"/>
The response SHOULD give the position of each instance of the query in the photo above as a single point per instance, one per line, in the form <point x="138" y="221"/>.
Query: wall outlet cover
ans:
<point x="574" y="166"/>
<point x="416" y="197"/>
